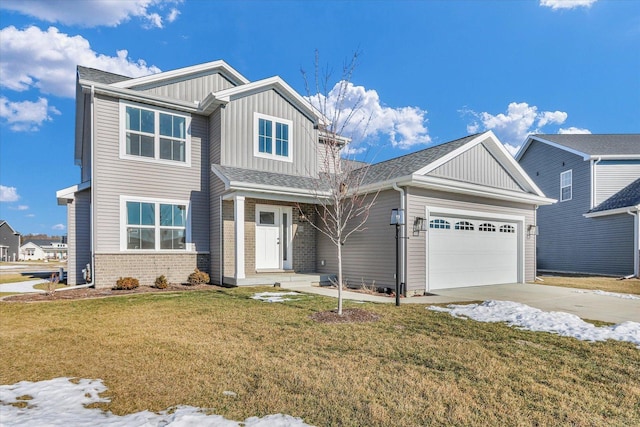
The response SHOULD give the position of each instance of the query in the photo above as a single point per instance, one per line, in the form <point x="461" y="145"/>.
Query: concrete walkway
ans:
<point x="22" y="287"/>
<point x="582" y="303"/>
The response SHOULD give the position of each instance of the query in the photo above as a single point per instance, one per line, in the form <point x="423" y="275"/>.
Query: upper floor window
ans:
<point x="566" y="184"/>
<point x="154" y="225"/>
<point x="154" y="135"/>
<point x="272" y="137"/>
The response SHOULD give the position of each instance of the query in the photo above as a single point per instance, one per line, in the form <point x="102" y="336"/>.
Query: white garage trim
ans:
<point x="519" y="220"/>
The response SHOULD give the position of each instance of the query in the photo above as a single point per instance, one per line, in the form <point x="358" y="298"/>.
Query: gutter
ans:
<point x="402" y="236"/>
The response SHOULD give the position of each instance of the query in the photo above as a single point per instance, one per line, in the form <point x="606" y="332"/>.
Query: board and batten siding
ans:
<point x="237" y="148"/>
<point x="368" y="256"/>
<point x="79" y="236"/>
<point x="114" y="177"/>
<point x="478" y="166"/>
<point x="612" y="176"/>
<point x="567" y="241"/>
<point x="418" y="200"/>
<point x="191" y="88"/>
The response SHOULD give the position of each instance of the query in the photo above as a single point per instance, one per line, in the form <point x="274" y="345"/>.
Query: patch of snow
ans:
<point x="274" y="296"/>
<point x="62" y="402"/>
<point x="613" y="294"/>
<point x="533" y="319"/>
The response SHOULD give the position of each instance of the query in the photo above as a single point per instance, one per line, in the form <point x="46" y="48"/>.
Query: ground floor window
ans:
<point x="154" y="225"/>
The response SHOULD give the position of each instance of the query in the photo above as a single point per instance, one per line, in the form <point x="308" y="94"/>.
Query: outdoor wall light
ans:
<point x="419" y="224"/>
<point x="533" y="230"/>
<point x="397" y="217"/>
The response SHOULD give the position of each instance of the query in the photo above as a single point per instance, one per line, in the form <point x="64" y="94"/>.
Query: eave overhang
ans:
<point x="67" y="194"/>
<point x="616" y="211"/>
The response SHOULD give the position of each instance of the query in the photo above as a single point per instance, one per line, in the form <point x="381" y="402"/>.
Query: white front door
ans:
<point x="273" y="237"/>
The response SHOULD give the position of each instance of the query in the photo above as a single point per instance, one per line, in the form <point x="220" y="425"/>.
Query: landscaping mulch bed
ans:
<point x="88" y="293"/>
<point x="349" y="315"/>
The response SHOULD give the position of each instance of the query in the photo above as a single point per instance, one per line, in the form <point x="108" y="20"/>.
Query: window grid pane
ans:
<point x="142" y="137"/>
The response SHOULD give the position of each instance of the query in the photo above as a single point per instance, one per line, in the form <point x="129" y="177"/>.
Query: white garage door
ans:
<point x="471" y="252"/>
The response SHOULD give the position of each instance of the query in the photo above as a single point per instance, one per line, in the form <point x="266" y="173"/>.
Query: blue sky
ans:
<point x="429" y="71"/>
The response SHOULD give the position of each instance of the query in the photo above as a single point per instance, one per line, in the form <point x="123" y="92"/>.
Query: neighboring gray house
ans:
<point x="594" y="227"/>
<point x="9" y="242"/>
<point x="198" y="167"/>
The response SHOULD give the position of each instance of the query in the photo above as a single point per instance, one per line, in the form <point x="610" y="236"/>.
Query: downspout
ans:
<point x="220" y="237"/>
<point x="93" y="192"/>
<point x="402" y="236"/>
<point x="636" y="242"/>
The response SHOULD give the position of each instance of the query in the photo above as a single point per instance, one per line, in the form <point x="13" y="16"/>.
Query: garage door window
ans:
<point x="464" y="225"/>
<point x="487" y="227"/>
<point x="507" y="229"/>
<point x="439" y="223"/>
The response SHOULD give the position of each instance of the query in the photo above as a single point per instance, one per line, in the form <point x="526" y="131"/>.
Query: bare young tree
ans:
<point x="342" y="207"/>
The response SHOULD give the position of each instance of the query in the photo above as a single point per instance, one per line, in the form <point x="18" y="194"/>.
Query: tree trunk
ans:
<point x="339" y="280"/>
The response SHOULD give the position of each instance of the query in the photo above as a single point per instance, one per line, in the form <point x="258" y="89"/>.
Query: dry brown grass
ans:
<point x="412" y="367"/>
<point x="609" y="284"/>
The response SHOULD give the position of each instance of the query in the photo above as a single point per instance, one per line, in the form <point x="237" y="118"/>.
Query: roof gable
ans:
<point x="589" y="146"/>
<point x="478" y="166"/>
<point x="180" y="74"/>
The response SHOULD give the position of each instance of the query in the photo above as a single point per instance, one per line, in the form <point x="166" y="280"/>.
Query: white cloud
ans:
<point x="566" y="4"/>
<point x="574" y="130"/>
<point x="173" y="15"/>
<point x="46" y="60"/>
<point x="519" y="121"/>
<point x="95" y="12"/>
<point x="359" y="114"/>
<point x="30" y="215"/>
<point x="58" y="227"/>
<point x="8" y="194"/>
<point x="26" y="115"/>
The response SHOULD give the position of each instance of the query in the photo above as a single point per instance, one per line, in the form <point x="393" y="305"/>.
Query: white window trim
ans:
<point x="156" y="159"/>
<point x="562" y="174"/>
<point x="189" y="247"/>
<point x="256" y="139"/>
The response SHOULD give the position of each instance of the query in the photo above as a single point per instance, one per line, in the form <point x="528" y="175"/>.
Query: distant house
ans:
<point x="595" y="226"/>
<point x="43" y="250"/>
<point x="9" y="242"/>
<point x="199" y="167"/>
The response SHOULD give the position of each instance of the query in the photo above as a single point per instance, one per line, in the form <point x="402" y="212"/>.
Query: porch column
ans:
<point x="238" y="216"/>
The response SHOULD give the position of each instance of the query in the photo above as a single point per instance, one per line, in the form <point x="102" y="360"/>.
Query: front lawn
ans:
<point x="412" y="367"/>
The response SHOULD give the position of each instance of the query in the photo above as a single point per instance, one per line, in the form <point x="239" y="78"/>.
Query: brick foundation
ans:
<point x="147" y="267"/>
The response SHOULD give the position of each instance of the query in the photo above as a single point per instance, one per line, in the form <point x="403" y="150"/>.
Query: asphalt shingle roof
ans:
<point x="100" y="76"/>
<point x="595" y="145"/>
<point x="386" y="170"/>
<point x="627" y="197"/>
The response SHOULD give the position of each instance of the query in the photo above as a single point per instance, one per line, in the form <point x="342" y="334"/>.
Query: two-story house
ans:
<point x="9" y="242"/>
<point x="594" y="227"/>
<point x="199" y="167"/>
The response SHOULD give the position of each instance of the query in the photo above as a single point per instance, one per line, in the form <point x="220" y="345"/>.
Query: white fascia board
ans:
<point x="271" y="196"/>
<point x="220" y="176"/>
<point x="276" y="83"/>
<point x="612" y="212"/>
<point x="69" y="193"/>
<point x="220" y="65"/>
<point x="132" y="95"/>
<point x="615" y="157"/>
<point x="447" y="185"/>
<point x="262" y="188"/>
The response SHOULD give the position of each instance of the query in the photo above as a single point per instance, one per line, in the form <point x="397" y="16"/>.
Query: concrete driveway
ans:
<point x="583" y="303"/>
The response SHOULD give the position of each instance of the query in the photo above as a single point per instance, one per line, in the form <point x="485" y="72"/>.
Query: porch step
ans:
<point x="289" y="280"/>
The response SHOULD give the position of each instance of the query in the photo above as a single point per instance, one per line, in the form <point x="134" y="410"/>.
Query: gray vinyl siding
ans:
<point x="567" y="241"/>
<point x="114" y="177"/>
<point x="85" y="163"/>
<point x="191" y="88"/>
<point x="216" y="238"/>
<point x="478" y="166"/>
<point x="79" y="236"/>
<point x="612" y="176"/>
<point x="11" y="240"/>
<point x="419" y="199"/>
<point x="215" y="136"/>
<point x="368" y="256"/>
<point x="238" y="135"/>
